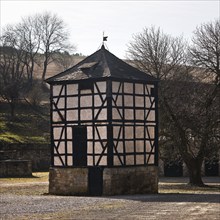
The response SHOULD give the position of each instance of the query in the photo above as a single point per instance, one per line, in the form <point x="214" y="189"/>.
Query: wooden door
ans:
<point x="79" y="146"/>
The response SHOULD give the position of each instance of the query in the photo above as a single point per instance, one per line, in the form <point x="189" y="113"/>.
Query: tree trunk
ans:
<point x="31" y="72"/>
<point x="194" y="166"/>
<point x="44" y="70"/>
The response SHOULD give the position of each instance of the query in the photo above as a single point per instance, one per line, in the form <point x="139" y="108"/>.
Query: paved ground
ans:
<point x="190" y="205"/>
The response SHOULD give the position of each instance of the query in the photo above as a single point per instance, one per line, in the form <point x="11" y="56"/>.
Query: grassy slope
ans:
<point x="30" y="125"/>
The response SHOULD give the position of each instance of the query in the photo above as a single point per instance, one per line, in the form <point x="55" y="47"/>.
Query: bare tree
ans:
<point x="54" y="37"/>
<point x="28" y="33"/>
<point x="21" y="45"/>
<point x="189" y="125"/>
<point x="41" y="33"/>
<point x="181" y="102"/>
<point x="205" y="51"/>
<point x="157" y="53"/>
<point x="12" y="67"/>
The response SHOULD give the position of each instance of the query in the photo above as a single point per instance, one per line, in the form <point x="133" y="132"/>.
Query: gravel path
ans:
<point x="160" y="206"/>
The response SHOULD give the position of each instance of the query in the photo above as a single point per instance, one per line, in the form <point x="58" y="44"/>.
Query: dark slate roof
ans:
<point x="101" y="64"/>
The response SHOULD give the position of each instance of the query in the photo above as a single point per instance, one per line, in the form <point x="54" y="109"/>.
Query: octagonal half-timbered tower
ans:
<point x="104" y="134"/>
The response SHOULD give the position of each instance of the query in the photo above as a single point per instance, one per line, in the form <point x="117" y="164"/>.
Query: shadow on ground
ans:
<point x="173" y="197"/>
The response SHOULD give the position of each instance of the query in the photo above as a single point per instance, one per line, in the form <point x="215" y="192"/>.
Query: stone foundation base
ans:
<point x="68" y="181"/>
<point x="97" y="181"/>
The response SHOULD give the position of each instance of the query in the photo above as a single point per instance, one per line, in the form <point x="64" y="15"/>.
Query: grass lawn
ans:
<point x="29" y="125"/>
<point x="182" y="187"/>
<point x="35" y="185"/>
<point x="36" y="177"/>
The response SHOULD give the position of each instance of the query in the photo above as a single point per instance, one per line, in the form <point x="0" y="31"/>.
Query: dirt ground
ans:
<point x="28" y="199"/>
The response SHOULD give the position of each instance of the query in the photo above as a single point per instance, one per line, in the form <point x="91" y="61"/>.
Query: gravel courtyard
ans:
<point x="29" y="200"/>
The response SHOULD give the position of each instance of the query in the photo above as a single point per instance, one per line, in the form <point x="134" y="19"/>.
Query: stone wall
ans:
<point x="130" y="180"/>
<point x="38" y="154"/>
<point x="68" y="181"/>
<point x="15" y="168"/>
<point x="115" y="181"/>
<point x="185" y="172"/>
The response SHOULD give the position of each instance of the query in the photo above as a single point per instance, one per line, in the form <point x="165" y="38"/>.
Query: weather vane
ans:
<point x="104" y="38"/>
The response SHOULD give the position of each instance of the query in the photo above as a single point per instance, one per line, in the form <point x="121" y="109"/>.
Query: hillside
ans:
<point x="30" y="124"/>
<point x="53" y="68"/>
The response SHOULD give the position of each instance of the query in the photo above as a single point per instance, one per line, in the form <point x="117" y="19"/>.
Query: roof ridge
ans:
<point x="105" y="58"/>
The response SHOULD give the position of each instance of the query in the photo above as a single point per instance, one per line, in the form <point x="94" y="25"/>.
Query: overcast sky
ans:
<point x="119" y="20"/>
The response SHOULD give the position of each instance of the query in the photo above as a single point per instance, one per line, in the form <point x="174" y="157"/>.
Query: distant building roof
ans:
<point x="101" y="64"/>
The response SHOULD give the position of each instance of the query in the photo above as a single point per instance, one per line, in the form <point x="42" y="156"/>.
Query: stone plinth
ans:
<point x="130" y="180"/>
<point x="114" y="181"/>
<point x="68" y="181"/>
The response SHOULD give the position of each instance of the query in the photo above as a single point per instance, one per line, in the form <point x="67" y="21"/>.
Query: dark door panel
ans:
<point x="95" y="181"/>
<point x="79" y="146"/>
